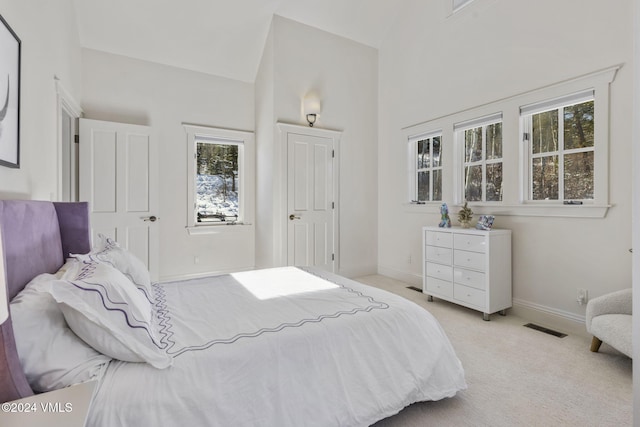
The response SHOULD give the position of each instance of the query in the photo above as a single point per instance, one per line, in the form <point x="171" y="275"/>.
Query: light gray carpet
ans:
<point x="518" y="376"/>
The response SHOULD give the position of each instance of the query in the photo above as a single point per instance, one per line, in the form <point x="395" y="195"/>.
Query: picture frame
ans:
<point x="10" y="51"/>
<point x="485" y="222"/>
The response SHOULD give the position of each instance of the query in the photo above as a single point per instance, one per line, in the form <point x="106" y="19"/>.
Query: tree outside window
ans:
<point x="562" y="152"/>
<point x="483" y="163"/>
<point x="428" y="157"/>
<point x="217" y="182"/>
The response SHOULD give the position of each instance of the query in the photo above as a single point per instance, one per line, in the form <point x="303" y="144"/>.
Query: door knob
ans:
<point x="151" y="218"/>
<point x="292" y="217"/>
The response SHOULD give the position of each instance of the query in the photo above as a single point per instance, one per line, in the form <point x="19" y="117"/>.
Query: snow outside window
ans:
<point x="219" y="176"/>
<point x="217" y="180"/>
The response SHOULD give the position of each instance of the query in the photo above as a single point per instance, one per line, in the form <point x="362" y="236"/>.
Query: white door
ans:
<point x="310" y="201"/>
<point x="118" y="177"/>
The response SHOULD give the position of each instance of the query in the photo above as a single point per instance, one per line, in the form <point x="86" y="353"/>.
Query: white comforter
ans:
<point x="281" y="347"/>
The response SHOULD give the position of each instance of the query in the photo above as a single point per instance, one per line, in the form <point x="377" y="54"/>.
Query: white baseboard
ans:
<point x="352" y="272"/>
<point x="410" y="278"/>
<point x="563" y="321"/>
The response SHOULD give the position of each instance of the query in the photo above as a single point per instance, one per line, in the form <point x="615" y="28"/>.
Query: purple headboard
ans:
<point x="37" y="236"/>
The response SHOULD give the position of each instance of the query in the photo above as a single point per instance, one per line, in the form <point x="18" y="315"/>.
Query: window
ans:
<point x="560" y="145"/>
<point x="426" y="156"/>
<point x="481" y="141"/>
<point x="219" y="176"/>
<point x="544" y="152"/>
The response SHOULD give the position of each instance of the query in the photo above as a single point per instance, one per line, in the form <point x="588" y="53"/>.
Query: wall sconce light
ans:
<point x="311" y="108"/>
<point x="311" y="118"/>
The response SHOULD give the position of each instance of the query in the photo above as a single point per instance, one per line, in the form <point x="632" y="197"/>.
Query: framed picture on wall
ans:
<point x="9" y="96"/>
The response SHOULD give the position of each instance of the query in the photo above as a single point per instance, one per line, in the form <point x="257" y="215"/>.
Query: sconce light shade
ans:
<point x="311" y="118"/>
<point x="311" y="108"/>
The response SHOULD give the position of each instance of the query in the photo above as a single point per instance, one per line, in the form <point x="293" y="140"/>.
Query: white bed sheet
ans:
<point x="252" y="349"/>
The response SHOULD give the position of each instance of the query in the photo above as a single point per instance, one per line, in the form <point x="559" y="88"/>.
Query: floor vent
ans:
<point x="413" y="288"/>
<point x="545" y="330"/>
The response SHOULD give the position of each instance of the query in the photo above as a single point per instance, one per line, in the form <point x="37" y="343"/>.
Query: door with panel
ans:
<point x="310" y="201"/>
<point x="118" y="177"/>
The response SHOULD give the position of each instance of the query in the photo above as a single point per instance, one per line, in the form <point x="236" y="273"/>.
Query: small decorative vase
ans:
<point x="465" y="224"/>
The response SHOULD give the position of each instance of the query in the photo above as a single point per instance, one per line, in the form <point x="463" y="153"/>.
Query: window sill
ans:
<point x="540" y="210"/>
<point x="219" y="229"/>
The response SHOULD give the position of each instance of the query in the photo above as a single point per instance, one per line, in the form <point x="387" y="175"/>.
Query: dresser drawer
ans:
<point x="466" y="259"/>
<point x="469" y="295"/>
<point x="468" y="267"/>
<point x="439" y="271"/>
<point x="439" y="287"/>
<point x="440" y="255"/>
<point x="470" y="242"/>
<point x="475" y="279"/>
<point x="439" y="238"/>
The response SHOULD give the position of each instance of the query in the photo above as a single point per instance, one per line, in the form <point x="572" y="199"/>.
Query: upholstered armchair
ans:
<point x="608" y="319"/>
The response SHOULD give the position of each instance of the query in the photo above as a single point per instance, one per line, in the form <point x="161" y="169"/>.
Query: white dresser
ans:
<point x="468" y="267"/>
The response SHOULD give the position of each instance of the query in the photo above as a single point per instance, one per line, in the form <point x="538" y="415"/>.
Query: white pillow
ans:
<point x="51" y="355"/>
<point x="104" y="309"/>
<point x="110" y="252"/>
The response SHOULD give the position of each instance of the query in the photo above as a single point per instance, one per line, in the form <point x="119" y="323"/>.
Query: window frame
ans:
<point x="514" y="186"/>
<point x="246" y="176"/>
<point x="460" y="129"/>
<point x="526" y="126"/>
<point x="414" y="170"/>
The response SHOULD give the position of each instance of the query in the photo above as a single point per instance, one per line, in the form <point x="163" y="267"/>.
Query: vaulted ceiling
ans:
<point x="221" y="37"/>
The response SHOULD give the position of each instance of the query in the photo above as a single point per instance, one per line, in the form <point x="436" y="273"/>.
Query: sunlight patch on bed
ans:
<point x="282" y="281"/>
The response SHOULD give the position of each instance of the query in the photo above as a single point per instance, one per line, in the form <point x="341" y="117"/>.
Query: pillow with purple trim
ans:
<point x="110" y="252"/>
<point x="103" y="308"/>
<point x="51" y="355"/>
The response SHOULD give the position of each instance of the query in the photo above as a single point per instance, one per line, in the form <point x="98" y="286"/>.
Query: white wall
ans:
<point x="636" y="204"/>
<point x="433" y="66"/>
<point x="50" y="47"/>
<point x="120" y="89"/>
<point x="265" y="157"/>
<point x="344" y="75"/>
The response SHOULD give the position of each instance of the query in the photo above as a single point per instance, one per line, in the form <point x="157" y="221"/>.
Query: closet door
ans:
<point x="118" y="177"/>
<point x="310" y="201"/>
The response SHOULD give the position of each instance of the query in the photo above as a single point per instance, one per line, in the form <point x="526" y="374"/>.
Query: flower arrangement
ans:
<point x="464" y="216"/>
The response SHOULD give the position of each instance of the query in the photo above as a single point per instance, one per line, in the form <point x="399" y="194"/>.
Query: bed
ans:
<point x="275" y="347"/>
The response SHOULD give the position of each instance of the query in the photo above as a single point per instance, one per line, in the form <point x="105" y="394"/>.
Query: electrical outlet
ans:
<point x="583" y="296"/>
